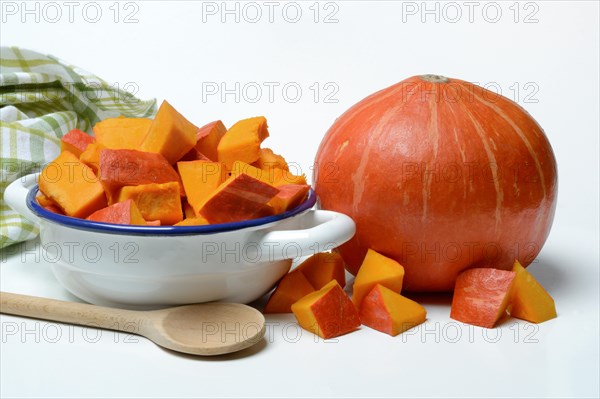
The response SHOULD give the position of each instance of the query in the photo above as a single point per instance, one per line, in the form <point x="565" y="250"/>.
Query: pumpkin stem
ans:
<point x="435" y="78"/>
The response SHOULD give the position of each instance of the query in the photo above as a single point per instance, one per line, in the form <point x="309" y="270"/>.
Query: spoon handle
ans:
<point x="70" y="312"/>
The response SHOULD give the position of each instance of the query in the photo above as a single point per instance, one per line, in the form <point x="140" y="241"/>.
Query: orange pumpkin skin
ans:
<point x="440" y="175"/>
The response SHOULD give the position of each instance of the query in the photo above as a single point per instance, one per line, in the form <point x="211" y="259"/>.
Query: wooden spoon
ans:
<point x="201" y="329"/>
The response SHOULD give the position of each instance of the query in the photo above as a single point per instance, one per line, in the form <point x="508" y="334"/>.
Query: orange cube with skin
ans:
<point x="156" y="201"/>
<point x="125" y="212"/>
<point x="481" y="296"/>
<point x="122" y="133"/>
<point x="75" y="141"/>
<point x="200" y="180"/>
<point x="389" y="312"/>
<point x="120" y="168"/>
<point x="72" y="185"/>
<point x="529" y="300"/>
<point x="170" y="134"/>
<point x="327" y="312"/>
<point x="268" y="160"/>
<point x="376" y="269"/>
<point x="208" y="138"/>
<point x="242" y="141"/>
<point x="193" y="221"/>
<point x="323" y="267"/>
<point x="293" y="287"/>
<point x="238" y="198"/>
<point x="289" y="197"/>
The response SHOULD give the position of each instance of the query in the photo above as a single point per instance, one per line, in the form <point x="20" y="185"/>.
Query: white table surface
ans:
<point x="551" y="63"/>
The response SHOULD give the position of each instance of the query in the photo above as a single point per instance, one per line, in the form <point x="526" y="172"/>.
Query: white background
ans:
<point x="545" y="56"/>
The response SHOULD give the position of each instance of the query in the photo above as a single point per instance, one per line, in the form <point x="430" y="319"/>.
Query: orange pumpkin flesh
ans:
<point x="440" y="175"/>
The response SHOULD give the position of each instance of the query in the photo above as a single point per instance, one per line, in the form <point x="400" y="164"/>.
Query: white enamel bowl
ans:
<point x="143" y="267"/>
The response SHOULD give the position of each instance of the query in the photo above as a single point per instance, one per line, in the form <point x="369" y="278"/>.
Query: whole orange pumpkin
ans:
<point x="441" y="175"/>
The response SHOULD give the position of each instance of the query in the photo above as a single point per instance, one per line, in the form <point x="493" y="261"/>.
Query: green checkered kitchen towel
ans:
<point x="41" y="99"/>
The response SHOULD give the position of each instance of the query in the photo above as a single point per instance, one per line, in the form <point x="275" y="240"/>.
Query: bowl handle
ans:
<point x="329" y="230"/>
<point x="15" y="196"/>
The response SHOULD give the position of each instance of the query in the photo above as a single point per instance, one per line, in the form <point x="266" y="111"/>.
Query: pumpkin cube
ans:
<point x="389" y="312"/>
<point x="75" y="142"/>
<point x="170" y="134"/>
<point x="323" y="267"/>
<point x="156" y="201"/>
<point x="122" y="133"/>
<point x="376" y="269"/>
<point x="72" y="185"/>
<point x="131" y="168"/>
<point x="292" y="287"/>
<point x="327" y="312"/>
<point x="153" y="223"/>
<point x="481" y="296"/>
<point x="208" y="138"/>
<point x="125" y="212"/>
<point x="289" y="197"/>
<point x="242" y="141"/>
<point x="238" y="198"/>
<point x="268" y="160"/>
<point x="529" y="300"/>
<point x="200" y="180"/>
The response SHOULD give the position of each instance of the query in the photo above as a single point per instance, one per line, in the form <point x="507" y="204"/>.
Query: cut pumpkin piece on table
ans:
<point x="208" y="138"/>
<point x="125" y="212"/>
<point x="328" y="312"/>
<point x="376" y="269"/>
<point x="292" y="287"/>
<point x="238" y="198"/>
<point x="242" y="141"/>
<point x="122" y="133"/>
<point x="389" y="312"/>
<point x="529" y="300"/>
<point x="481" y="296"/>
<point x="75" y="141"/>
<point x="289" y="197"/>
<point x="170" y="134"/>
<point x="131" y="168"/>
<point x="72" y="185"/>
<point x="323" y="267"/>
<point x="200" y="180"/>
<point x="156" y="201"/>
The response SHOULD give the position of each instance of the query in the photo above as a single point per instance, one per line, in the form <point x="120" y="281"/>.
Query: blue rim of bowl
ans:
<point x="100" y="227"/>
